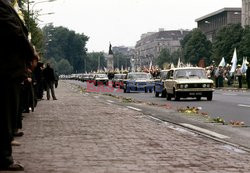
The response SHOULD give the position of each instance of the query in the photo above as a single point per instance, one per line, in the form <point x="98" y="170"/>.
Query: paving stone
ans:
<point x="80" y="133"/>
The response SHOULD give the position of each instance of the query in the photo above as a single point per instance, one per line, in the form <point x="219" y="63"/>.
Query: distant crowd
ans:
<point x="223" y="75"/>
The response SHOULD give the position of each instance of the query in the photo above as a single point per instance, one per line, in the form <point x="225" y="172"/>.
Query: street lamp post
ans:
<point x="39" y="2"/>
<point x="28" y="9"/>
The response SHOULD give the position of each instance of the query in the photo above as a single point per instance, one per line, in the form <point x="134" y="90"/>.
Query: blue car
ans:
<point x="159" y="84"/>
<point x="138" y="81"/>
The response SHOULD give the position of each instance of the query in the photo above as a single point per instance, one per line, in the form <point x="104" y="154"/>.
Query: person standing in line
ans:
<point x="16" y="53"/>
<point x="49" y="77"/>
<point x="238" y="74"/>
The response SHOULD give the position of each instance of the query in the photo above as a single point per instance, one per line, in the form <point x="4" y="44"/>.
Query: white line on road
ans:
<point x="136" y="109"/>
<point x="228" y="94"/>
<point x="241" y="105"/>
<point x="110" y="101"/>
<point x="217" y="135"/>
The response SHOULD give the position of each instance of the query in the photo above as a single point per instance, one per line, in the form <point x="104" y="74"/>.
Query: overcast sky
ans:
<point x="122" y="22"/>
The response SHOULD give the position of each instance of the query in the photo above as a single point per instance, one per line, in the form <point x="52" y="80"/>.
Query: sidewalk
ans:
<point x="79" y="133"/>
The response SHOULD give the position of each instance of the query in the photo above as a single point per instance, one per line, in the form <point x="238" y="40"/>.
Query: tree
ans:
<point x="245" y="42"/>
<point x="226" y="40"/>
<point x="32" y="25"/>
<point x="196" y="47"/>
<point x="164" y="57"/>
<point x="121" y="60"/>
<point x="176" y="55"/>
<point x="64" y="67"/>
<point x="95" y="59"/>
<point x="62" y="43"/>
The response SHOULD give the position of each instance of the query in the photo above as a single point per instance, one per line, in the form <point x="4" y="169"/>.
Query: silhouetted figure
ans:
<point x="49" y="78"/>
<point x="16" y="53"/>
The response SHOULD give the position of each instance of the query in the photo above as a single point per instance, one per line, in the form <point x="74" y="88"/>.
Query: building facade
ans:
<point x="245" y="12"/>
<point x="148" y="48"/>
<point x="211" y="23"/>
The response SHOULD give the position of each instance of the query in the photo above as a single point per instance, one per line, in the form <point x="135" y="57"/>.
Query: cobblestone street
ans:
<point x="79" y="133"/>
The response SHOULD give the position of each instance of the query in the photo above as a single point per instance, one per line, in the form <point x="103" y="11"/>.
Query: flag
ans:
<point x="172" y="65"/>
<point x="222" y="62"/>
<point x="244" y="65"/>
<point x="234" y="62"/>
<point x="122" y="69"/>
<point x="179" y="63"/>
<point x="150" y="66"/>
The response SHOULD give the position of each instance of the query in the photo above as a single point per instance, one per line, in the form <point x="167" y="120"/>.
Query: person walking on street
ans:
<point x="248" y="76"/>
<point x="16" y="53"/>
<point x="49" y="77"/>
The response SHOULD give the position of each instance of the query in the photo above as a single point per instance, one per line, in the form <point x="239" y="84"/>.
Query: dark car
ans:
<point x="159" y="84"/>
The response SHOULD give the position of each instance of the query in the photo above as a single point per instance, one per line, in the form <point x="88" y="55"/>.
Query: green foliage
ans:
<point x="164" y="57"/>
<point x="95" y="59"/>
<point x="121" y="60"/>
<point x="245" y="42"/>
<point x="176" y="55"/>
<point x="64" y="67"/>
<point x="195" y="47"/>
<point x="227" y="39"/>
<point x="36" y="32"/>
<point x="62" y="43"/>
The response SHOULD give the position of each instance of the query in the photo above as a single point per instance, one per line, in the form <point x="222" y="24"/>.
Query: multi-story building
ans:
<point x="245" y="12"/>
<point x="211" y="23"/>
<point x="148" y="48"/>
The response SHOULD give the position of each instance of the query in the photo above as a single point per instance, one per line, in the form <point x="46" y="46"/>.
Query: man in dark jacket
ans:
<point x="16" y="53"/>
<point x="49" y="77"/>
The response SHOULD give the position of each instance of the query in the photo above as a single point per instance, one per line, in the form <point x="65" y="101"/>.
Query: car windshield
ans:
<point x="190" y="73"/>
<point x="139" y="76"/>
<point x="101" y="75"/>
<point x="163" y="74"/>
<point x="119" y="76"/>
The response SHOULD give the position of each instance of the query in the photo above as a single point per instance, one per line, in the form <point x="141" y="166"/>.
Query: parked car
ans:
<point x="188" y="82"/>
<point x="138" y="81"/>
<point x="159" y="84"/>
<point x="118" y="80"/>
<point x="100" y="79"/>
<point x="90" y="78"/>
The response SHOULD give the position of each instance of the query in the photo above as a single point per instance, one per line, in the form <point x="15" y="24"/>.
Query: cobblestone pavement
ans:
<point x="79" y="133"/>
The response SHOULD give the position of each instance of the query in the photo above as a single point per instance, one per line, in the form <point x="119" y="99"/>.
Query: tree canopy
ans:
<point x="227" y="39"/>
<point x="196" y="47"/>
<point x="62" y="43"/>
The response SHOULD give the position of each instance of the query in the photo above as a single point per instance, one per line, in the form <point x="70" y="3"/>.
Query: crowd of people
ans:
<point x="223" y="75"/>
<point x="23" y="81"/>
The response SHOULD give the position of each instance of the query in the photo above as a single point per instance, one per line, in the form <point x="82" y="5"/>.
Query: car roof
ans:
<point x="183" y="68"/>
<point x="120" y="74"/>
<point x="138" y="73"/>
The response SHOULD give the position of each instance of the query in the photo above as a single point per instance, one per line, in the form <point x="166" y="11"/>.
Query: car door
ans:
<point x="168" y="84"/>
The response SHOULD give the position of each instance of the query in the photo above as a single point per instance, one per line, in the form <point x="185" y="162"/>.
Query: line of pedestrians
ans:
<point x="23" y="81"/>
